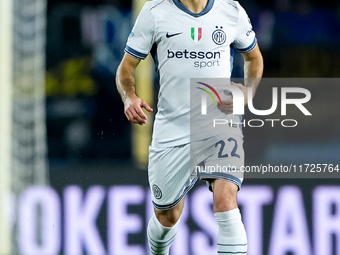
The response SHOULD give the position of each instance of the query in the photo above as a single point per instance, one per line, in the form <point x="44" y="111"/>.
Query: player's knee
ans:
<point x="224" y="205"/>
<point x="168" y="218"/>
<point x="224" y="196"/>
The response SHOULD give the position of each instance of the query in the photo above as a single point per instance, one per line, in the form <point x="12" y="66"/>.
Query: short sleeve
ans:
<point x="245" y="39"/>
<point x="141" y="37"/>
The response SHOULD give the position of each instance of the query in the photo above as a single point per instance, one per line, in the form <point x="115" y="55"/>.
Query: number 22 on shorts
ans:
<point x="233" y="152"/>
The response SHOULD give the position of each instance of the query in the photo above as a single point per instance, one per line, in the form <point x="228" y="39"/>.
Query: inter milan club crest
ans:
<point x="218" y="36"/>
<point x="156" y="191"/>
<point x="196" y="33"/>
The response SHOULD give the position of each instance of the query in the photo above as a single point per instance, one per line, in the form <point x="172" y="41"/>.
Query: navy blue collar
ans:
<point x="196" y="15"/>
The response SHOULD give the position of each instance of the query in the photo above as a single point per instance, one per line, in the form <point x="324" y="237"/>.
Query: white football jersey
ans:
<point x="186" y="45"/>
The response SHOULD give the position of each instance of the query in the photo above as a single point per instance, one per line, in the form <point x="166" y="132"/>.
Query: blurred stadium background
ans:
<point x="72" y="177"/>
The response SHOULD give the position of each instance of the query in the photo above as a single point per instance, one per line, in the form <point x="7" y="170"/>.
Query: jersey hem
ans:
<point x="170" y="144"/>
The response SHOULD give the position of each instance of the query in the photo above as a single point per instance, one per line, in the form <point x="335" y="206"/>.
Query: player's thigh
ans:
<point x="169" y="175"/>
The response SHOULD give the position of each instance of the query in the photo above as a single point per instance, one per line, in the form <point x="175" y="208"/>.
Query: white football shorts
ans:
<point x="173" y="171"/>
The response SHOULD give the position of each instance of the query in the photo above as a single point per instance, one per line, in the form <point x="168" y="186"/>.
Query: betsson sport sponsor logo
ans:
<point x="207" y="59"/>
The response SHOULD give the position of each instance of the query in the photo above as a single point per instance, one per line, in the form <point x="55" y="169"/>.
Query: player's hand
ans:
<point x="227" y="105"/>
<point x="133" y="110"/>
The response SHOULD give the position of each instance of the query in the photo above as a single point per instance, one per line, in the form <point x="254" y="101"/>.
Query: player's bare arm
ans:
<point x="125" y="82"/>
<point x="253" y="70"/>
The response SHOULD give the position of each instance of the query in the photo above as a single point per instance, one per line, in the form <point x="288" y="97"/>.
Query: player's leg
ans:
<point x="169" y="218"/>
<point x="232" y="236"/>
<point x="224" y="156"/>
<point x="162" y="229"/>
<point x="169" y="179"/>
<point x="224" y="193"/>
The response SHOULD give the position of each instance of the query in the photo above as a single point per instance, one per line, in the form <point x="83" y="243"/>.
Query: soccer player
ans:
<point x="189" y="39"/>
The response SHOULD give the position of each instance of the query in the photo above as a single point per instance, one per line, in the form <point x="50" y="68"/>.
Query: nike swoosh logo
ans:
<point x="171" y="35"/>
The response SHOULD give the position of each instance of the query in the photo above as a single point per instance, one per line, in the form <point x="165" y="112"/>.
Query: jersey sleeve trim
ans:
<point x="250" y="47"/>
<point x="134" y="53"/>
